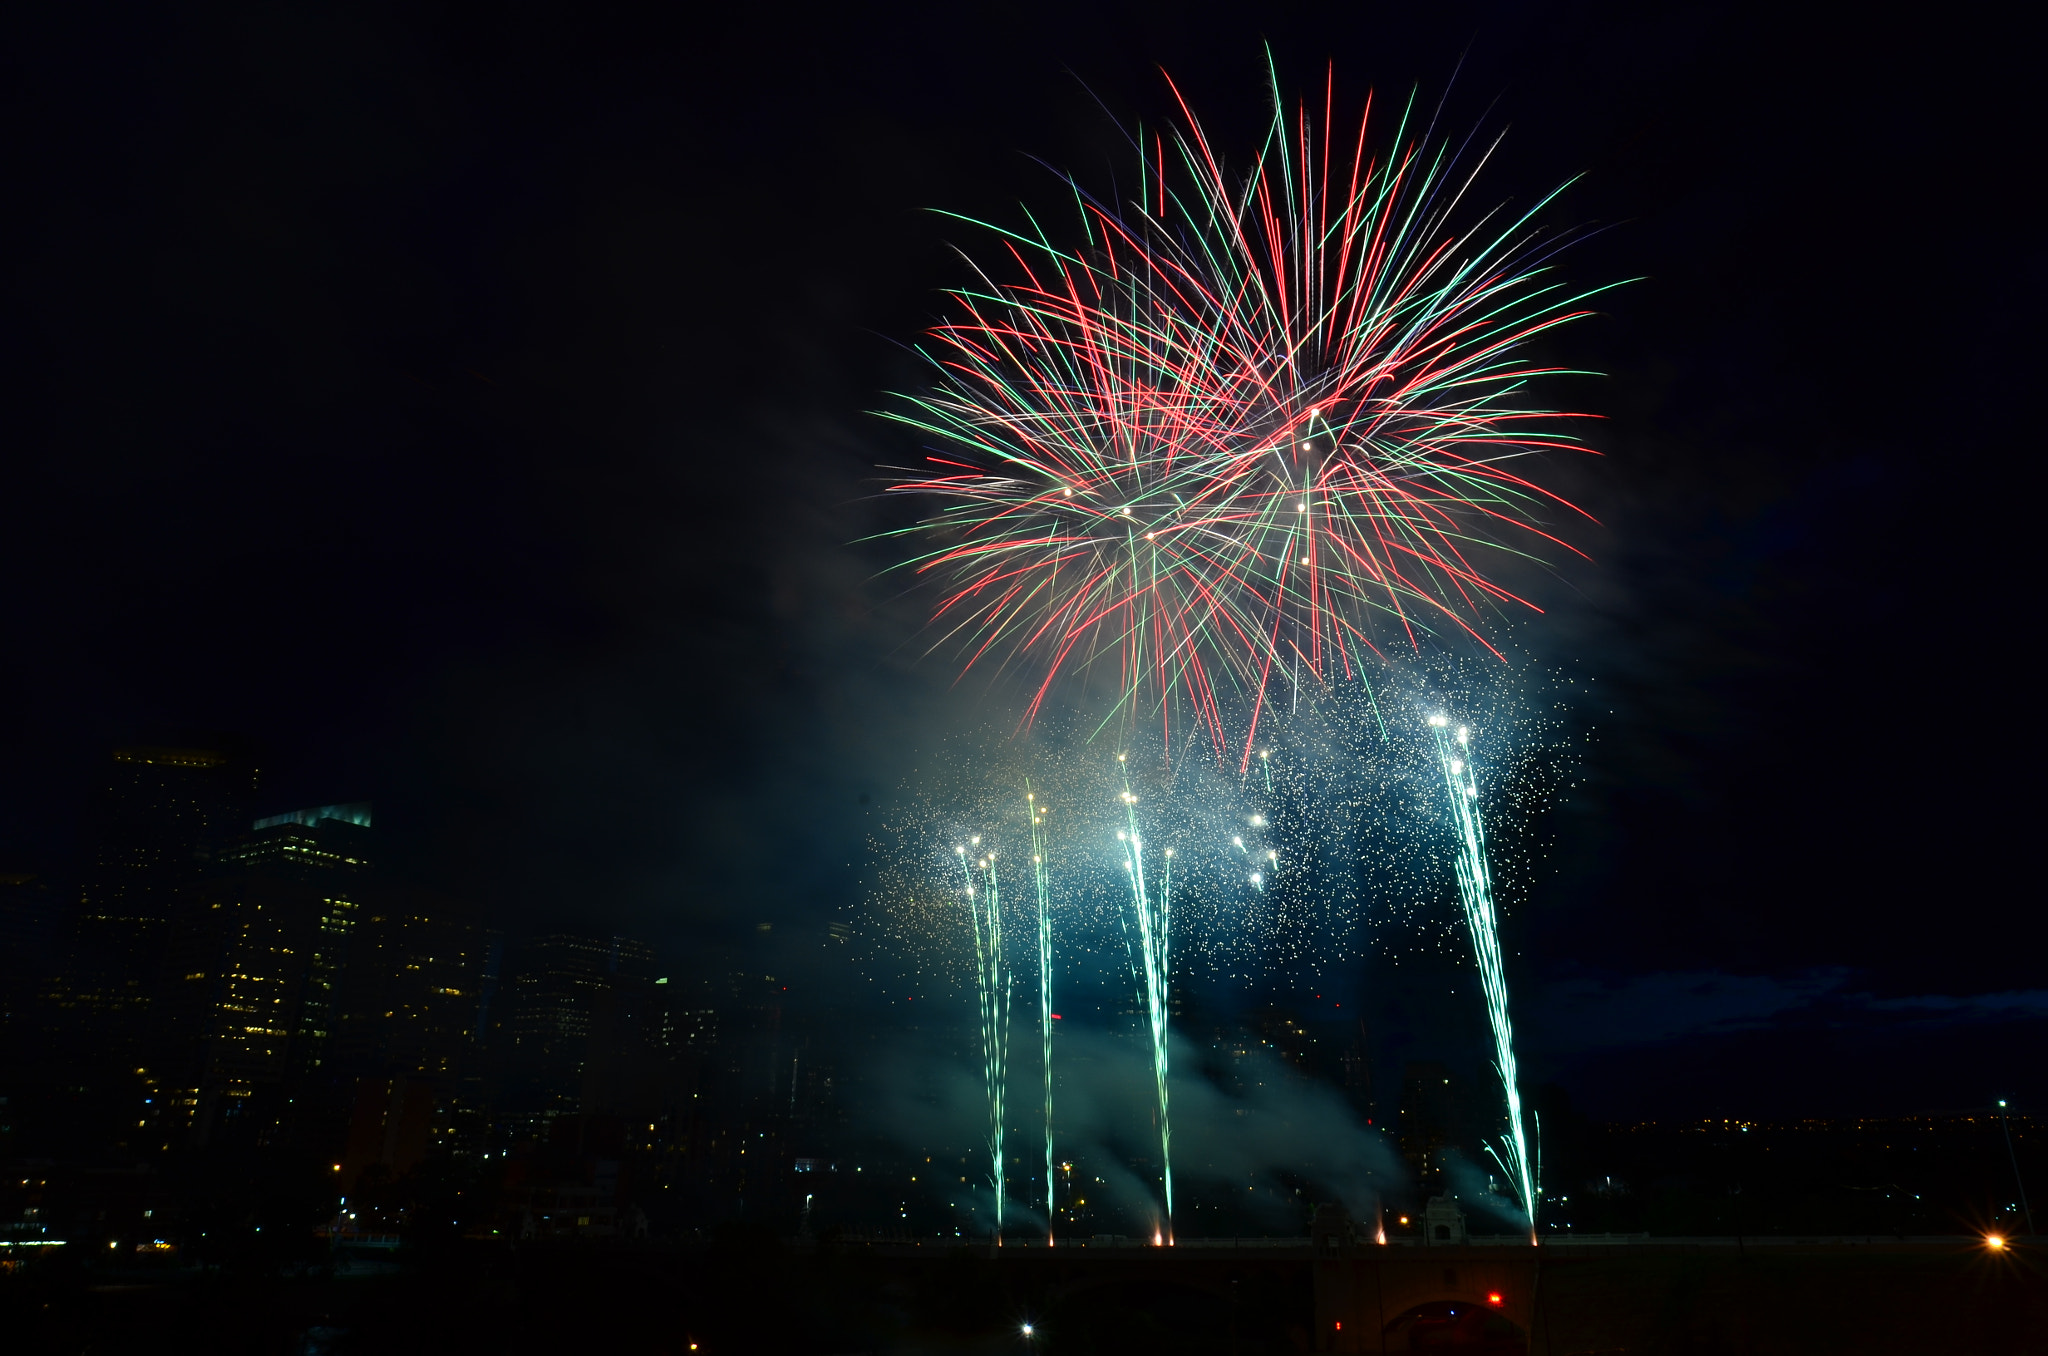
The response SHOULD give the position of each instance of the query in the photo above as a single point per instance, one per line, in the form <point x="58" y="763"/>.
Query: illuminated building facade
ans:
<point x="153" y="825"/>
<point x="251" y="992"/>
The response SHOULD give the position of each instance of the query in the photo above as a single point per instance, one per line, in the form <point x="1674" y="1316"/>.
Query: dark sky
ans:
<point x="466" y="404"/>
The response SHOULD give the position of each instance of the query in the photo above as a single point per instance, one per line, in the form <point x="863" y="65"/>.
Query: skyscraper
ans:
<point x="249" y="994"/>
<point x="1427" y="1127"/>
<point x="562" y="986"/>
<point x="422" y="980"/>
<point x="153" y="825"/>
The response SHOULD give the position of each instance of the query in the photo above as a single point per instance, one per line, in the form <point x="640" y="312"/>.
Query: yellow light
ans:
<point x="1995" y="1242"/>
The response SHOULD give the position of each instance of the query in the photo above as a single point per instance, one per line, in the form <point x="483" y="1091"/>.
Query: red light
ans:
<point x="1340" y="1327"/>
<point x="1493" y="1297"/>
<point x="1055" y="1016"/>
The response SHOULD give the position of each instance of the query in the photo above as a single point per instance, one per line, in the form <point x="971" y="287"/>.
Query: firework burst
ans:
<point x="1255" y="427"/>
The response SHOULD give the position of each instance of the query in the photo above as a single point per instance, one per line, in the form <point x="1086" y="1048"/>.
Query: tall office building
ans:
<point x="1357" y="1064"/>
<point x="30" y="1062"/>
<point x="562" y="991"/>
<point x="421" y="986"/>
<point x="254" y="965"/>
<point x="1427" y="1121"/>
<point x="153" y="825"/>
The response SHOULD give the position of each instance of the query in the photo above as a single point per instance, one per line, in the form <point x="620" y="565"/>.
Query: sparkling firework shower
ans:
<point x="1256" y="426"/>
<point x="1284" y="879"/>
<point x="1475" y="892"/>
<point x="992" y="980"/>
<point x="1041" y="877"/>
<point x="1152" y="918"/>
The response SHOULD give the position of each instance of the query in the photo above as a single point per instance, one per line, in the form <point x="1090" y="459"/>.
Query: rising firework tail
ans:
<point x="1041" y="877"/>
<point x="993" y="981"/>
<point x="1512" y="1152"/>
<point x="1152" y="921"/>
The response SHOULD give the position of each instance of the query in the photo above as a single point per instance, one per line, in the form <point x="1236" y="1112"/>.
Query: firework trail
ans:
<point x="1256" y="427"/>
<point x="992" y="983"/>
<point x="1475" y="890"/>
<point x="1153" y="917"/>
<point x="1041" y="877"/>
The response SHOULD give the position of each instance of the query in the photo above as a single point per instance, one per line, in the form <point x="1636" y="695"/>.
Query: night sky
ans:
<point x="468" y="406"/>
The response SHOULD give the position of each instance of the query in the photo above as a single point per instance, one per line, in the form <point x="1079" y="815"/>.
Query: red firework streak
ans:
<point x="1255" y="424"/>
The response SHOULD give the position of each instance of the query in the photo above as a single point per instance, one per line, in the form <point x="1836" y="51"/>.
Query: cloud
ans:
<point x="1944" y="1009"/>
<point x="1585" y="1014"/>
